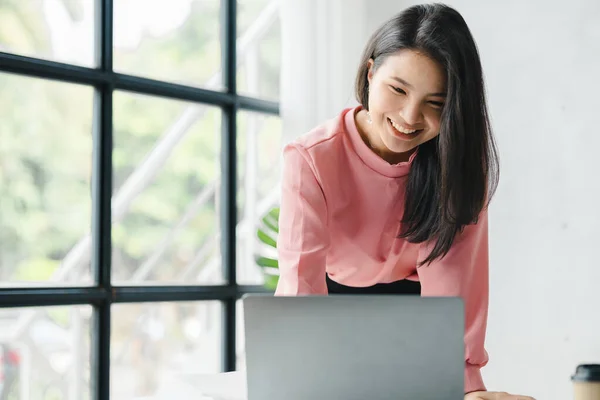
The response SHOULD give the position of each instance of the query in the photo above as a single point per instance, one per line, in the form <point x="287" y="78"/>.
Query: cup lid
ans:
<point x="587" y="373"/>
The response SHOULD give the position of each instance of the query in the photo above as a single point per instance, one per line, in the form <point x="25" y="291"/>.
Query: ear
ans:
<point x="370" y="71"/>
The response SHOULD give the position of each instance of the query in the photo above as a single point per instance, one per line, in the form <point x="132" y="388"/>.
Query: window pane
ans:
<point x="259" y="48"/>
<point x="156" y="347"/>
<point x="45" y="353"/>
<point x="166" y="191"/>
<point x="259" y="152"/>
<point x="175" y="40"/>
<point x="45" y="171"/>
<point x="58" y="30"/>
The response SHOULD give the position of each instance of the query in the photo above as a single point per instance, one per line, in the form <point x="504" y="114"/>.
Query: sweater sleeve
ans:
<point x="303" y="238"/>
<point x="463" y="272"/>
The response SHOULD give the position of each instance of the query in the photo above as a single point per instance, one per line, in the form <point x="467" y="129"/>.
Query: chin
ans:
<point x="399" y="147"/>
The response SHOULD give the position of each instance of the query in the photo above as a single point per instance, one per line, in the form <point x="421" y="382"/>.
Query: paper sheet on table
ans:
<point x="225" y="386"/>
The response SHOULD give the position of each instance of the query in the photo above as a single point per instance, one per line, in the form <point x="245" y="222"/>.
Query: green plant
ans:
<point x="267" y="234"/>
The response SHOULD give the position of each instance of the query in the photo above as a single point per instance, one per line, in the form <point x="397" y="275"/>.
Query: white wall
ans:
<point x="322" y="43"/>
<point x="541" y="59"/>
<point x="542" y="63"/>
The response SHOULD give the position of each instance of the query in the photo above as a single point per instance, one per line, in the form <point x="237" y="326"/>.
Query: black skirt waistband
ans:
<point x="403" y="286"/>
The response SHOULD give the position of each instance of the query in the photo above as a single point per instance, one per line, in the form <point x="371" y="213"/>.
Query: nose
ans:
<point x="411" y="113"/>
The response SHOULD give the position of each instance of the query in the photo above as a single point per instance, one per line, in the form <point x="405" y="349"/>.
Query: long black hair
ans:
<point x="454" y="175"/>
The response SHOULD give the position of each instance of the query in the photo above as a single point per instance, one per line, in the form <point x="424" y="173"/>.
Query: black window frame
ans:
<point x="103" y="294"/>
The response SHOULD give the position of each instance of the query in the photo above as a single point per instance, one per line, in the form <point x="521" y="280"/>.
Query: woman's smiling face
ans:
<point x="406" y="96"/>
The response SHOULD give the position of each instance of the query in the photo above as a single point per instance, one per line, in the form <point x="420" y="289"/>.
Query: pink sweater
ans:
<point x="340" y="211"/>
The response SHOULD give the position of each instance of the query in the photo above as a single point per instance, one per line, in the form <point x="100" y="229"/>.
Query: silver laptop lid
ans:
<point x="354" y="347"/>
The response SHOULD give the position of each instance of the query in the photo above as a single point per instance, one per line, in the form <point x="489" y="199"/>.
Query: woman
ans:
<point x="392" y="196"/>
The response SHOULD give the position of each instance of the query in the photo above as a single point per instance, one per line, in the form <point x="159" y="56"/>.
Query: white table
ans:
<point x="224" y="386"/>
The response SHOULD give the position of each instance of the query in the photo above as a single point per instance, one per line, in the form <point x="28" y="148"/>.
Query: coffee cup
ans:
<point x="586" y="382"/>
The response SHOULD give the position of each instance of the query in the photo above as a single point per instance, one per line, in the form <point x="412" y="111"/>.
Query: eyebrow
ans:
<point x="402" y="81"/>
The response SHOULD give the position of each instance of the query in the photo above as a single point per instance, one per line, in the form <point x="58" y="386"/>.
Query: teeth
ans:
<point x="401" y="129"/>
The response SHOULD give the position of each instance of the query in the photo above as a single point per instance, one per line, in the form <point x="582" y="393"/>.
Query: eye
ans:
<point x="398" y="90"/>
<point x="436" y="104"/>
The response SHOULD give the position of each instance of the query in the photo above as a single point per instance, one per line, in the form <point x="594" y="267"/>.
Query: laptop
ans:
<point x="345" y="347"/>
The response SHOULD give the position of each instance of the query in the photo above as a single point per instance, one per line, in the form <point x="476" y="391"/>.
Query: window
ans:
<point x="137" y="145"/>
